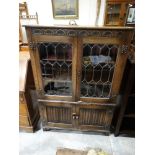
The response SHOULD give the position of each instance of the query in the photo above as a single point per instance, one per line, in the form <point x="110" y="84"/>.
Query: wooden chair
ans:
<point x="23" y="8"/>
<point x="25" y="19"/>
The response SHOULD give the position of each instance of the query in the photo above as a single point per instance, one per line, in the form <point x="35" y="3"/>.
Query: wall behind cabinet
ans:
<point x="87" y="12"/>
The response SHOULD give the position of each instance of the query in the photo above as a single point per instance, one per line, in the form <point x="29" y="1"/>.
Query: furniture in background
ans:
<point x="116" y="12"/>
<point x="23" y="10"/>
<point x="28" y="108"/>
<point x="25" y="19"/>
<point x="130" y="18"/>
<point x="78" y="72"/>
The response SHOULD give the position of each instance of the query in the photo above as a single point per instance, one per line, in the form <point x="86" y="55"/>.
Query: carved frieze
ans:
<point x="77" y="32"/>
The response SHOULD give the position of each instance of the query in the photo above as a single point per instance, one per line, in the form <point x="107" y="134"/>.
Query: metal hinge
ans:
<point x="124" y="49"/>
<point x="32" y="45"/>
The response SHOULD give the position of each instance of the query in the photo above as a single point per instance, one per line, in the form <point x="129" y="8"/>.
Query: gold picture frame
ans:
<point x="65" y="9"/>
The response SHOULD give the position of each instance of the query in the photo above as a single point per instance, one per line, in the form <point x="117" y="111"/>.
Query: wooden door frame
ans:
<point x="106" y="13"/>
<point x="39" y="82"/>
<point x="119" y="66"/>
<point x="122" y="10"/>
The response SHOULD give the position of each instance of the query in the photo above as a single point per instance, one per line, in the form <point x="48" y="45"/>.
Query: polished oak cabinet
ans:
<point x="78" y="72"/>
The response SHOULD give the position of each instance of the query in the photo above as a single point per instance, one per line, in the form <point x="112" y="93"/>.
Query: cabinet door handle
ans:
<point x="79" y="74"/>
<point x="77" y="117"/>
<point x="74" y="115"/>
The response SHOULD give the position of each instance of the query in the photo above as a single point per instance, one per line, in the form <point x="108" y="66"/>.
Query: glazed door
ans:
<point x="100" y="70"/>
<point x="113" y="11"/>
<point x="116" y="13"/>
<point x="56" y="74"/>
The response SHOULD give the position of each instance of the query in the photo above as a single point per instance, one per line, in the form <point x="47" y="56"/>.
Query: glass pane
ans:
<point x="113" y="13"/>
<point x="113" y="19"/>
<point x="114" y="8"/>
<point x="97" y="69"/>
<point x="56" y="67"/>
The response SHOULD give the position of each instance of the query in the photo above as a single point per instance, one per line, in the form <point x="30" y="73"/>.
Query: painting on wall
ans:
<point x="130" y="16"/>
<point x="65" y="9"/>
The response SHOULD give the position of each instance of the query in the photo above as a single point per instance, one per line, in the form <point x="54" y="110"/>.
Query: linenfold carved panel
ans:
<point x="59" y="115"/>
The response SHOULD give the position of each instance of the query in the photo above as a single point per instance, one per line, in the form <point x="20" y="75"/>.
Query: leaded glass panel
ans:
<point x="97" y="69"/>
<point x="56" y="67"/>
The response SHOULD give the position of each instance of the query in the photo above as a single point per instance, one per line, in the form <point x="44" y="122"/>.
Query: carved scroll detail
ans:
<point x="77" y="32"/>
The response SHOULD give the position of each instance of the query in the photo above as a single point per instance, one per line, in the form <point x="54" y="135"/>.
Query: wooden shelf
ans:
<point x="51" y="59"/>
<point x="108" y="62"/>
<point x="129" y="115"/>
<point x="113" y="13"/>
<point x="112" y="23"/>
<point x="47" y="80"/>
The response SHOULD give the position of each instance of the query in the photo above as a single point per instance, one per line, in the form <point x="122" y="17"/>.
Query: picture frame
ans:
<point x="65" y="9"/>
<point x="130" y="19"/>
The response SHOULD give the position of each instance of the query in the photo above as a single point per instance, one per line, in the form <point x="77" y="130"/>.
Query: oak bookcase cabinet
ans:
<point x="78" y="72"/>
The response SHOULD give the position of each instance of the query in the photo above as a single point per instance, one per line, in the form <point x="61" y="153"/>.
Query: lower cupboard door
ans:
<point x="94" y="117"/>
<point x="57" y="115"/>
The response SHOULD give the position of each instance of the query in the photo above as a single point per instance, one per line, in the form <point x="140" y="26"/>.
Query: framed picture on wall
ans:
<point x="130" y="20"/>
<point x="65" y="9"/>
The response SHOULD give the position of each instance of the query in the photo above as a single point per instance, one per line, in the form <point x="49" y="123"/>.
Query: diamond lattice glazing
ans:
<point x="56" y="67"/>
<point x="97" y="69"/>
